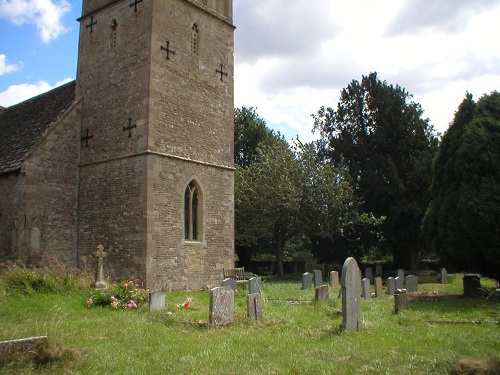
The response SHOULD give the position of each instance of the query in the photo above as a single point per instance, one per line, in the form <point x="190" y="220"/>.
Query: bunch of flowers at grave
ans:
<point x="126" y="295"/>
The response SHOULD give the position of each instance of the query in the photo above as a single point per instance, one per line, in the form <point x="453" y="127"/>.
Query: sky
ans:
<point x="294" y="56"/>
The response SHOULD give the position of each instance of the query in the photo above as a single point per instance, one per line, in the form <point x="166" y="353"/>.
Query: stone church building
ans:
<point x="135" y="155"/>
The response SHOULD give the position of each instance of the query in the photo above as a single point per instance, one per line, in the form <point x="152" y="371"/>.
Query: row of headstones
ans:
<point x="221" y="311"/>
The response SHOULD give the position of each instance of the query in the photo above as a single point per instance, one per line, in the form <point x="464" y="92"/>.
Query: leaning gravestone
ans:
<point x="221" y="306"/>
<point x="307" y="279"/>
<point x="157" y="300"/>
<point x="334" y="279"/>
<point x="369" y="274"/>
<point x="255" y="285"/>
<point x="229" y="283"/>
<point x="391" y="286"/>
<point x="378" y="270"/>
<point x="379" y="291"/>
<point x="254" y="306"/>
<point x="444" y="276"/>
<point x="318" y="278"/>
<point x="411" y="284"/>
<point x="365" y="283"/>
<point x="399" y="282"/>
<point x="322" y="293"/>
<point x="351" y="299"/>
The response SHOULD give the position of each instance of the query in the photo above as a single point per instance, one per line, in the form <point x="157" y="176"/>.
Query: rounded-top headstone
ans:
<point x="351" y="295"/>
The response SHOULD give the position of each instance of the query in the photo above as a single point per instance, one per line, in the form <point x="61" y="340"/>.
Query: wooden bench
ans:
<point x="237" y="274"/>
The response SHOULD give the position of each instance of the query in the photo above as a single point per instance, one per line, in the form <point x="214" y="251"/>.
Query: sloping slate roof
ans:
<point x="23" y="125"/>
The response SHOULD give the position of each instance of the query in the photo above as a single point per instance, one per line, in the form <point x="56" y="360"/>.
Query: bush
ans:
<point x="126" y="294"/>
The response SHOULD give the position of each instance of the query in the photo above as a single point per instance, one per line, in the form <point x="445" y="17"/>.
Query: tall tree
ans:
<point x="462" y="220"/>
<point x="380" y="135"/>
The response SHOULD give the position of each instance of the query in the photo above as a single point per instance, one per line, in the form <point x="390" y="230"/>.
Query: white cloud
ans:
<point x="18" y="93"/>
<point x="6" y="68"/>
<point x="45" y="14"/>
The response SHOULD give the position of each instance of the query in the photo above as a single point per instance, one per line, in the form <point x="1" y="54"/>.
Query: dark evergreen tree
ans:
<point x="380" y="135"/>
<point x="462" y="222"/>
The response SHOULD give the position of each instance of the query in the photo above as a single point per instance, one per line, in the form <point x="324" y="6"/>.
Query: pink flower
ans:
<point x="131" y="305"/>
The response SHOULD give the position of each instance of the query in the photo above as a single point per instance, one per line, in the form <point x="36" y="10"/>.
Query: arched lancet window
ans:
<point x="194" y="38"/>
<point x="193" y="204"/>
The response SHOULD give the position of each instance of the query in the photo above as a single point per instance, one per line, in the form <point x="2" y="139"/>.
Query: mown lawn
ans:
<point x="296" y="335"/>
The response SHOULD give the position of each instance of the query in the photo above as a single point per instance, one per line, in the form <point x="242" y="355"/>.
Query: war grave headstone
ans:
<point x="254" y="306"/>
<point x="378" y="271"/>
<point x="157" y="300"/>
<point x="229" y="283"/>
<point x="379" y="290"/>
<point x="351" y="298"/>
<point x="369" y="274"/>
<point x="221" y="306"/>
<point x="334" y="279"/>
<point x="400" y="300"/>
<point x="255" y="285"/>
<point x="322" y="293"/>
<point x="365" y="288"/>
<point x="391" y="286"/>
<point x="318" y="278"/>
<point x="399" y="282"/>
<point x="307" y="280"/>
<point x="443" y="277"/>
<point x="411" y="284"/>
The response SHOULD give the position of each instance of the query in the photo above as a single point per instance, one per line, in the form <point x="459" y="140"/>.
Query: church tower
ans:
<point x="156" y="155"/>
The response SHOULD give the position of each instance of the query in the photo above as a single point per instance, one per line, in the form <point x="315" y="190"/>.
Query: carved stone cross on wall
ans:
<point x="91" y="24"/>
<point x="221" y="71"/>
<point x="87" y="137"/>
<point x="99" y="278"/>
<point x="168" y="50"/>
<point x="134" y="4"/>
<point x="129" y="127"/>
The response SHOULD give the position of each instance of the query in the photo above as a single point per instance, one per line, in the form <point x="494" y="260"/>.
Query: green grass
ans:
<point x="296" y="336"/>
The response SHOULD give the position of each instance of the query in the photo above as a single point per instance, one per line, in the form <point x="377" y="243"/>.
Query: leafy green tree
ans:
<point x="378" y="132"/>
<point x="461" y="223"/>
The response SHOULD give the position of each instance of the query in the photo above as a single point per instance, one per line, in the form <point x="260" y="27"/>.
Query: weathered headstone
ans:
<point x="307" y="279"/>
<point x="365" y="283"/>
<point x="472" y="285"/>
<point x="379" y="291"/>
<point x="401" y="273"/>
<point x="157" y="300"/>
<point x="254" y="306"/>
<point x="443" y="276"/>
<point x="369" y="274"/>
<point x="221" y="306"/>
<point x="378" y="271"/>
<point x="229" y="283"/>
<point x="255" y="285"/>
<point x="399" y="282"/>
<point x="351" y="298"/>
<point x="322" y="293"/>
<point x="318" y="278"/>
<point x="411" y="284"/>
<point x="400" y="300"/>
<point x="334" y="279"/>
<point x="99" y="274"/>
<point x="391" y="286"/>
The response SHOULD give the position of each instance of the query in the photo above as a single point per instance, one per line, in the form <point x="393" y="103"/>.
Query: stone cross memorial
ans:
<point x="221" y="306"/>
<point x="99" y="274"/>
<point x="307" y="279"/>
<point x="351" y="298"/>
<point x="334" y="279"/>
